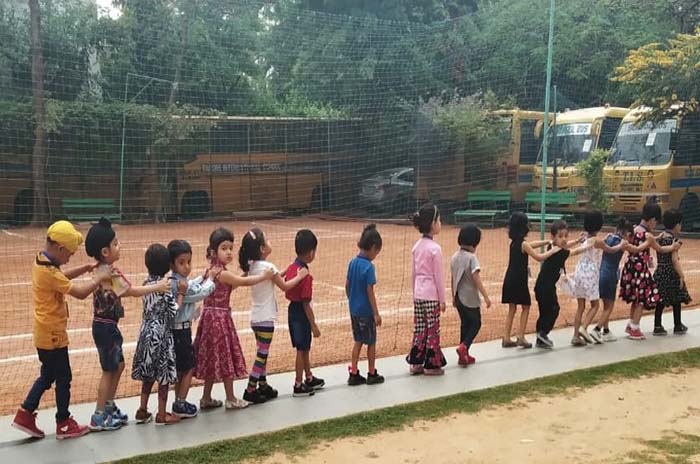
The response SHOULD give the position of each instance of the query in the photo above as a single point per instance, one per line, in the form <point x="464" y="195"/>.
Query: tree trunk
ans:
<point x="41" y="209"/>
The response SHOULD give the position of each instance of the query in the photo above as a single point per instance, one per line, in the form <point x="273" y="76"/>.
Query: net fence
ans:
<point x="174" y="117"/>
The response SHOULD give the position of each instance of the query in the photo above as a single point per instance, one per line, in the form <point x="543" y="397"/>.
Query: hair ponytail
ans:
<point x="424" y="219"/>
<point x="250" y="249"/>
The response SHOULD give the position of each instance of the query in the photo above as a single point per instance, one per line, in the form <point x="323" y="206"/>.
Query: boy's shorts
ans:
<point x="108" y="340"/>
<point x="299" y="327"/>
<point x="364" y="330"/>
<point x="184" y="351"/>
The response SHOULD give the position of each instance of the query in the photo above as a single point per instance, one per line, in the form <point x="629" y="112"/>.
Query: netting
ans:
<point x="174" y="117"/>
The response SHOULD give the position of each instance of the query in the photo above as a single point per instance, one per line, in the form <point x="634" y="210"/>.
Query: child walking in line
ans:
<point x="217" y="349"/>
<point x="428" y="295"/>
<point x="252" y="258"/>
<point x="102" y="244"/>
<point x="609" y="277"/>
<point x="669" y="276"/>
<point x="154" y="359"/>
<point x="466" y="287"/>
<point x="300" y="314"/>
<point x="191" y="291"/>
<point x="637" y="285"/>
<point x="515" y="283"/>
<point x="364" y="314"/>
<point x="587" y="278"/>
<point x="50" y="285"/>
<point x="545" y="286"/>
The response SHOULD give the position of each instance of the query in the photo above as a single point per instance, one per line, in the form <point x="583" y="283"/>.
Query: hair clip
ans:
<point x="252" y="234"/>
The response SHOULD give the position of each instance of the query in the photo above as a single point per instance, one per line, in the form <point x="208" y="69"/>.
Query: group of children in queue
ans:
<point x="166" y="354"/>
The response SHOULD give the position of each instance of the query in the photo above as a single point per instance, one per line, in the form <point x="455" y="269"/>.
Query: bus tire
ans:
<point x="195" y="205"/>
<point x="690" y="209"/>
<point x="23" y="207"/>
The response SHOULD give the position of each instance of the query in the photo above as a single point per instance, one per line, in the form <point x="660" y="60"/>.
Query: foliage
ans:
<point x="591" y="170"/>
<point x="664" y="76"/>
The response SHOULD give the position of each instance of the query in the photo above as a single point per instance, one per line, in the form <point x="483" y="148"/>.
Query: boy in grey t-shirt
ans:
<point x="466" y="287"/>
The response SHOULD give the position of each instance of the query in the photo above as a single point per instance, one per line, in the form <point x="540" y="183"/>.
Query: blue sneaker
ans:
<point x="104" y="422"/>
<point x="117" y="414"/>
<point x="184" y="409"/>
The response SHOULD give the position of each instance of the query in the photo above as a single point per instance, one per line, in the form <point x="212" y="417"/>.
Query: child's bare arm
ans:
<point x="536" y="255"/>
<point x="675" y="258"/>
<point x="79" y="270"/>
<point x="285" y="285"/>
<point x="162" y="286"/>
<point x="654" y="245"/>
<point x="373" y="303"/>
<point x="235" y="280"/>
<point x="540" y="243"/>
<point x="480" y="286"/>
<point x="600" y="244"/>
<point x="581" y="249"/>
<point x="84" y="289"/>
<point x="312" y="320"/>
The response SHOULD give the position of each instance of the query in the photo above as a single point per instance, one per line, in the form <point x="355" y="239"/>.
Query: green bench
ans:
<point x="90" y="209"/>
<point x="551" y="200"/>
<point x="485" y="204"/>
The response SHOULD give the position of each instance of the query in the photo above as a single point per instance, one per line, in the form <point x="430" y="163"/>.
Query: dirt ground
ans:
<point x="603" y="424"/>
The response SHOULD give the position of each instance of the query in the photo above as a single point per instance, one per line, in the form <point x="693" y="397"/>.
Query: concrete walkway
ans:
<point x="496" y="366"/>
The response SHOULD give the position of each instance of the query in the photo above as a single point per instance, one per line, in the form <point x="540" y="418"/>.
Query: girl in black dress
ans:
<point x="515" y="284"/>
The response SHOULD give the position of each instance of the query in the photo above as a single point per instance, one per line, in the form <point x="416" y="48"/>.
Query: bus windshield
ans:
<point x="646" y="144"/>
<point x="570" y="143"/>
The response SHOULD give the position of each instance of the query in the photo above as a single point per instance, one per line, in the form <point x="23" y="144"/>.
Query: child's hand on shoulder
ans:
<point x="316" y="331"/>
<point x="163" y="286"/>
<point x="213" y="272"/>
<point x="303" y="272"/>
<point x="378" y="320"/>
<point x="182" y="286"/>
<point x="269" y="273"/>
<point x="677" y="244"/>
<point x="102" y="274"/>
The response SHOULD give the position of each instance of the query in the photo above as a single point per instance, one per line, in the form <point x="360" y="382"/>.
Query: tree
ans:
<point x="41" y="207"/>
<point x="591" y="169"/>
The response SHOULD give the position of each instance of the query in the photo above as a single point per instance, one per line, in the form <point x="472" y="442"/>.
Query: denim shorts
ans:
<point x="108" y="340"/>
<point x="364" y="330"/>
<point x="299" y="327"/>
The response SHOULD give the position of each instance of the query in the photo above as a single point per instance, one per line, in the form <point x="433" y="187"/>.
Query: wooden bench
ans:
<point x="90" y="209"/>
<point x="485" y="204"/>
<point x="551" y="199"/>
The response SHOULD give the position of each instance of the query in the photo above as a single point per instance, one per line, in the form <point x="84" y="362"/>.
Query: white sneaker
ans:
<point x="586" y="336"/>
<point x="596" y="335"/>
<point x="609" y="337"/>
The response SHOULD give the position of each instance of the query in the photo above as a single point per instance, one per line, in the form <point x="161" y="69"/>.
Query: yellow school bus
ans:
<point x="574" y="135"/>
<point x="449" y="179"/>
<point x="656" y="161"/>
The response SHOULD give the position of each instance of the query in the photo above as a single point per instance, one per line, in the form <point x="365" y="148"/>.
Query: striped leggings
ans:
<point x="263" y="338"/>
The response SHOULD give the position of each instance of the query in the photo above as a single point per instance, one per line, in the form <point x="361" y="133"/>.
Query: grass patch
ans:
<point x="676" y="448"/>
<point x="297" y="439"/>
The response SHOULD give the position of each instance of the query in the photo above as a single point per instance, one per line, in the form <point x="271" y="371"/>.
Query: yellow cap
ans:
<point x="64" y="233"/>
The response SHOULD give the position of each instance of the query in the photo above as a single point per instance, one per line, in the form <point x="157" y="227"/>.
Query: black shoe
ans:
<point x="356" y="379"/>
<point x="374" y="379"/>
<point x="540" y="344"/>
<point x="543" y="339"/>
<point x="303" y="390"/>
<point x="680" y="330"/>
<point x="254" y="397"/>
<point x="659" y="331"/>
<point x="268" y="392"/>
<point x="316" y="383"/>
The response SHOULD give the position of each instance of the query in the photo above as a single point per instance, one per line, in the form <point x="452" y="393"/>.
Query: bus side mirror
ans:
<point x="673" y="142"/>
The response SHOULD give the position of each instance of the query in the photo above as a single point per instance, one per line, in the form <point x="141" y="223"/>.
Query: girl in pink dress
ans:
<point x="218" y="353"/>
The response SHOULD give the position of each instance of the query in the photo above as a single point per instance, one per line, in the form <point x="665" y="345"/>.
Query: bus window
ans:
<point x="688" y="148"/>
<point x="608" y="131"/>
<point x="529" y="146"/>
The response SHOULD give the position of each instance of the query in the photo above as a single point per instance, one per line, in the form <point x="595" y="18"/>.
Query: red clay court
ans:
<point x="337" y="245"/>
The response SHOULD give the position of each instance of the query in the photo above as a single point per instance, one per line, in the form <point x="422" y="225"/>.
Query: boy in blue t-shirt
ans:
<point x="364" y="314"/>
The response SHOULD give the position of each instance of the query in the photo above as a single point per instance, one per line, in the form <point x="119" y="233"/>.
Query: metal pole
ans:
<point x="550" y="47"/>
<point x="554" y="160"/>
<point x="328" y="154"/>
<point x="121" y="158"/>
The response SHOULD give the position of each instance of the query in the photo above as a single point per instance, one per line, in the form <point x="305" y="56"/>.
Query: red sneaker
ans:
<point x="69" y="428"/>
<point x="26" y="422"/>
<point x="636" y="334"/>
<point x="470" y="359"/>
<point x="628" y="330"/>
<point x="462" y="355"/>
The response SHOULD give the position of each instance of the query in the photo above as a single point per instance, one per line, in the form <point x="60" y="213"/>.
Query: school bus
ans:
<point x="509" y="167"/>
<point x="573" y="136"/>
<point x="656" y="161"/>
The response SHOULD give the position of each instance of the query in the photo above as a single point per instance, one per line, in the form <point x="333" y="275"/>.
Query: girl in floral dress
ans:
<point x="218" y="353"/>
<point x="637" y="285"/>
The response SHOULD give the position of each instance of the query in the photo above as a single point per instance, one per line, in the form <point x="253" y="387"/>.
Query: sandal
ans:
<point x="524" y="344"/>
<point x="143" y="416"/>
<point x="209" y="404"/>
<point x="509" y="343"/>
<point x="236" y="403"/>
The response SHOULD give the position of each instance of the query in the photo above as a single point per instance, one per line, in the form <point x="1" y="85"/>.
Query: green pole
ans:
<point x="550" y="47"/>
<point x="121" y="157"/>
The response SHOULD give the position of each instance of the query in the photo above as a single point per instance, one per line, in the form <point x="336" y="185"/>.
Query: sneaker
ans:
<point x="316" y="383"/>
<point x="596" y="335"/>
<point x="374" y="379"/>
<point x="470" y="359"/>
<point x="254" y="397"/>
<point x="303" y="389"/>
<point x="115" y="412"/>
<point x="540" y="344"/>
<point x="608" y="337"/>
<point x="143" y="416"/>
<point x="434" y="371"/>
<point x="628" y="329"/>
<point x="69" y="428"/>
<point x="167" y="419"/>
<point x="680" y="330"/>
<point x="636" y="334"/>
<point x="545" y="340"/>
<point x="356" y="379"/>
<point x="583" y="333"/>
<point x="104" y="422"/>
<point x="185" y="410"/>
<point x="462" y="355"/>
<point x="416" y="369"/>
<point x="26" y="422"/>
<point x="236" y="403"/>
<point x="659" y="331"/>
<point x="267" y="391"/>
<point x="578" y="341"/>
<point x="524" y="344"/>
